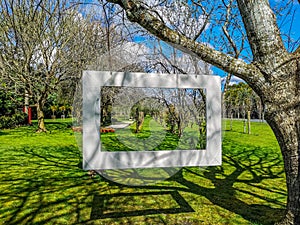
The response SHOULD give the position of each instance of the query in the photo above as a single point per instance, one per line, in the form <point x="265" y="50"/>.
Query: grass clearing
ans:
<point x="41" y="182"/>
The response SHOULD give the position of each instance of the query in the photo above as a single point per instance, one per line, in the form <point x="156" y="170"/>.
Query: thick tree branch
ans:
<point x="263" y="33"/>
<point x="139" y="14"/>
<point x="298" y="49"/>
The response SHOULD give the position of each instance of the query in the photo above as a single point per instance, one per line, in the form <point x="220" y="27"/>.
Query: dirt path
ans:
<point x="121" y="125"/>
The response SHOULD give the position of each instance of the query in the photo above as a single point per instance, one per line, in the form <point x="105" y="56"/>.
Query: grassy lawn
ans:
<point x="41" y="182"/>
<point x="153" y="136"/>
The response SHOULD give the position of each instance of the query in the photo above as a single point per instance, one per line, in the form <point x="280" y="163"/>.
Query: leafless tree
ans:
<point x="44" y="43"/>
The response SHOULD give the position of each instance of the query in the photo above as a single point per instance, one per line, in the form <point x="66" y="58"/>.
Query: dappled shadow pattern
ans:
<point x="38" y="181"/>
<point x="248" y="169"/>
<point x="99" y="204"/>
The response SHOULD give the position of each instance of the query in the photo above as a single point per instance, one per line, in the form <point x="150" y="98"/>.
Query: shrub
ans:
<point x="14" y="120"/>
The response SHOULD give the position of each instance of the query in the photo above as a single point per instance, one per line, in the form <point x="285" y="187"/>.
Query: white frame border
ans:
<point x="95" y="159"/>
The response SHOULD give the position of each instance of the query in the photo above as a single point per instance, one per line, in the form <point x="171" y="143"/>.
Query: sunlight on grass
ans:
<point x="41" y="182"/>
<point x="152" y="137"/>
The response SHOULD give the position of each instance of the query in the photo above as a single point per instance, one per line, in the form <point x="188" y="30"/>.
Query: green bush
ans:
<point x="14" y="120"/>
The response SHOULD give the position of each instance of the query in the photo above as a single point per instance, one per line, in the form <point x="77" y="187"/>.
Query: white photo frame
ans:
<point x="95" y="159"/>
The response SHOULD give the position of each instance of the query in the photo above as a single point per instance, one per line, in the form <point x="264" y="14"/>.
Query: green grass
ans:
<point x="41" y="182"/>
<point x="153" y="137"/>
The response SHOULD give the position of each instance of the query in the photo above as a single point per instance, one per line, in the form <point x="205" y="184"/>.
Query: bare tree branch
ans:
<point x="137" y="13"/>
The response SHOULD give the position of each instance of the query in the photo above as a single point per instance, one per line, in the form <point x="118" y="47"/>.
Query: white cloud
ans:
<point x="233" y="80"/>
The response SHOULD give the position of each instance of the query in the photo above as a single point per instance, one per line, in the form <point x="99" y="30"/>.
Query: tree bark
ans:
<point x="180" y="127"/>
<point x="286" y="126"/>
<point x="280" y="93"/>
<point x="26" y="102"/>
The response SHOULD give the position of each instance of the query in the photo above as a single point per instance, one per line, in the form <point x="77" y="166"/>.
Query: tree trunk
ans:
<point x="180" y="128"/>
<point x="249" y="122"/>
<point x="40" y="117"/>
<point x="139" y="119"/>
<point x="286" y="126"/>
<point x="231" y="118"/>
<point x="26" y="102"/>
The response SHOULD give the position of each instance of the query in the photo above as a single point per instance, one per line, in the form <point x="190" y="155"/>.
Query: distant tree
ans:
<point x="240" y="98"/>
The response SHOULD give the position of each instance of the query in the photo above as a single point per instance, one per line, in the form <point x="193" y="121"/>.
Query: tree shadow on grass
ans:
<point x="101" y="204"/>
<point x="58" y="125"/>
<point x="238" y="182"/>
<point x="225" y="194"/>
<point x="45" y="185"/>
<point x="3" y="133"/>
<point x="246" y="184"/>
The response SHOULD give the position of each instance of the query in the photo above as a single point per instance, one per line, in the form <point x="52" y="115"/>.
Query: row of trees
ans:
<point x="45" y="45"/>
<point x="174" y="109"/>
<point x="241" y="102"/>
<point x="239" y="99"/>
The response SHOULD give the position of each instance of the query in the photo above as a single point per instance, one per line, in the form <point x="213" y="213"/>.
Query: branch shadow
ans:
<point x="37" y="181"/>
<point x="42" y="181"/>
<point x="34" y="183"/>
<point x="243" y="173"/>
<point x="260" y="165"/>
<point x="98" y="209"/>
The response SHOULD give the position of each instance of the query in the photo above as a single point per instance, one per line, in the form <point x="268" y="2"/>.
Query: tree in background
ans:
<point x="11" y="114"/>
<point x="240" y="98"/>
<point x="42" y="44"/>
<point x="271" y="66"/>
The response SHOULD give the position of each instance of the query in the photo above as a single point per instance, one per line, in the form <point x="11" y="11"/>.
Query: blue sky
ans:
<point x="289" y="25"/>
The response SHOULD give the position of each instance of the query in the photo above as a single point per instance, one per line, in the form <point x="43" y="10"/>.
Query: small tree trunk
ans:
<point x="180" y="129"/>
<point x="231" y="118"/>
<point x="26" y="101"/>
<point x="40" y="116"/>
<point x="139" y="120"/>
<point x="249" y="122"/>
<point x="172" y="128"/>
<point x="260" y="110"/>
